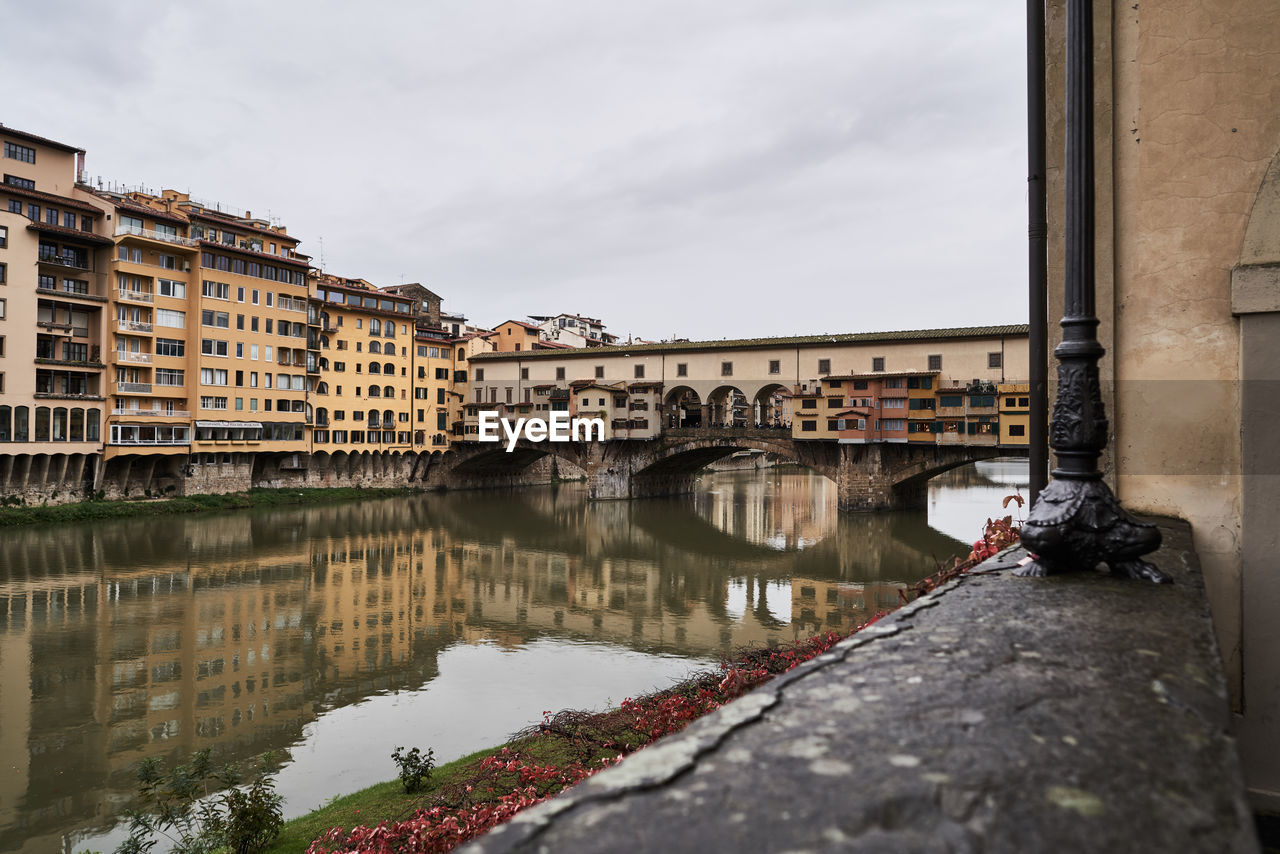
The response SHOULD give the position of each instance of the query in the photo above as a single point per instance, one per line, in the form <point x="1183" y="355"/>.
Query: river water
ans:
<point x="336" y="633"/>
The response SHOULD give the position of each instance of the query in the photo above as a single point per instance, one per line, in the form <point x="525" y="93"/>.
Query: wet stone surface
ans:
<point x="998" y="714"/>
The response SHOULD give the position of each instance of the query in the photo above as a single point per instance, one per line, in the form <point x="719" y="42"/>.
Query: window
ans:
<point x="13" y="151"/>
<point x="170" y="288"/>
<point x="218" y="319"/>
<point x="639" y="372"/>
<point x="216" y="290"/>
<point x="726" y="369"/>
<point x="171" y="347"/>
<point x="824" y="366"/>
<point x="994" y="360"/>
<point x="935" y="362"/>
<point x="775" y="366"/>
<point x="559" y="371"/>
<point x="215" y="376"/>
<point x="1017" y="430"/>
<point x="171" y="319"/>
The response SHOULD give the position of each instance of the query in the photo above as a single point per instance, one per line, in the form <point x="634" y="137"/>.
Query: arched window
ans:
<point x="375" y="326"/>
<point x="389" y="369"/>
<point x="6" y="424"/>
<point x="375" y="347"/>
<point x="388" y="391"/>
<point x="42" y="423"/>
<point x="21" y="431"/>
<point x="374" y="368"/>
<point x="374" y="391"/>
<point x="91" y="426"/>
<point x="77" y="425"/>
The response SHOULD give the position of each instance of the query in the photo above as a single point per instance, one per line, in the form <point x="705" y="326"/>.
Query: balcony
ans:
<point x="132" y="326"/>
<point x="133" y="388"/>
<point x="127" y="295"/>
<point x="151" y="413"/>
<point x="152" y="234"/>
<point x="64" y="261"/>
<point x="136" y="358"/>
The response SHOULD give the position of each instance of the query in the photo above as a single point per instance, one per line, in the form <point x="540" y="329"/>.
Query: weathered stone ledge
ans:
<point x="997" y="714"/>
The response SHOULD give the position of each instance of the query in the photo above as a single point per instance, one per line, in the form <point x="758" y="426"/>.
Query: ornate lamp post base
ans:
<point x="1078" y="524"/>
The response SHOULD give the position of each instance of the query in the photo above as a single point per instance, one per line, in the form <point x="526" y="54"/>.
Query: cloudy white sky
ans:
<point x="696" y="168"/>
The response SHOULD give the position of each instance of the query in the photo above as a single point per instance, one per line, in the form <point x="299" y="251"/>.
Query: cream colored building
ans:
<point x="54" y="293"/>
<point x="741" y="382"/>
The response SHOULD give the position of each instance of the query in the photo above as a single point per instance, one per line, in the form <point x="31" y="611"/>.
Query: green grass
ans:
<point x="88" y="510"/>
<point x="387" y="801"/>
<point x="379" y="802"/>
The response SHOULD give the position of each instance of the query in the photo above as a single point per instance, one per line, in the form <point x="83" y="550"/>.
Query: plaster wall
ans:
<point x="1185" y="128"/>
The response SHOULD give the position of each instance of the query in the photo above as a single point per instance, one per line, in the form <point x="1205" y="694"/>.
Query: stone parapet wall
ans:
<point x="998" y="714"/>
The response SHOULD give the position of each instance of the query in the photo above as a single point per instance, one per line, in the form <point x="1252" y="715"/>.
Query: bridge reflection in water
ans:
<point x="248" y="631"/>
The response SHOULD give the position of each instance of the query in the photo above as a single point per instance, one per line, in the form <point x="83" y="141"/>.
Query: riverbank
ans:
<point x="84" y="511"/>
<point x="478" y="792"/>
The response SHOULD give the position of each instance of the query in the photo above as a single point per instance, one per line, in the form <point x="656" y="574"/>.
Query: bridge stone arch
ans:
<point x="867" y="477"/>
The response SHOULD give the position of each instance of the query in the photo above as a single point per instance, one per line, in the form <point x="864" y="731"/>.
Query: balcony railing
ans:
<point x="151" y="413"/>
<point x="136" y="358"/>
<point x="133" y="388"/>
<point x="63" y="261"/>
<point x="133" y="296"/>
<point x="152" y="234"/>
<point x="132" y="326"/>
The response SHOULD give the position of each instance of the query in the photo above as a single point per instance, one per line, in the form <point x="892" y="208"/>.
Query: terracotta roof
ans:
<point x="963" y="332"/>
<point x="70" y="233"/>
<point x="128" y="205"/>
<point x="260" y="256"/>
<point x="62" y="201"/>
<point x="528" y="326"/>
<point x="31" y="137"/>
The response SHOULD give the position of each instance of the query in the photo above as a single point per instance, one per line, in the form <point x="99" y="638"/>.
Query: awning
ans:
<point x="251" y="424"/>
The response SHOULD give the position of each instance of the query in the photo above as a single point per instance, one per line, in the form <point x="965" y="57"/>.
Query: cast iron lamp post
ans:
<point x="1077" y="523"/>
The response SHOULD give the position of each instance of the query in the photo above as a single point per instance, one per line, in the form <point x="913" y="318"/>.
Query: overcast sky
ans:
<point x="692" y="168"/>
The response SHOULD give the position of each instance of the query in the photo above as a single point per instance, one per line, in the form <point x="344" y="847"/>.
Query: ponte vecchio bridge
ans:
<point x="877" y="413"/>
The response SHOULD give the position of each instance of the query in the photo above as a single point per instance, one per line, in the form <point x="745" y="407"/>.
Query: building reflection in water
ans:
<point x="159" y="637"/>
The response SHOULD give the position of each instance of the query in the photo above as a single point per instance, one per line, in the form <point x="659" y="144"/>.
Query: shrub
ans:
<point x="183" y="807"/>
<point x="415" y="769"/>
